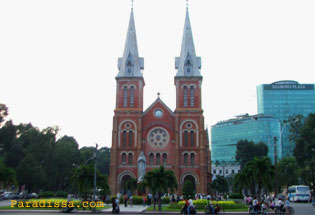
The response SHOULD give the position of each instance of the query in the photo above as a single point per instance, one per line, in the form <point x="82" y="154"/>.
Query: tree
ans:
<point x="304" y="150"/>
<point x="159" y="181"/>
<point x="263" y="173"/>
<point x="66" y="156"/>
<point x="131" y="185"/>
<point x="3" y="112"/>
<point x="7" y="136"/>
<point x="30" y="174"/>
<point x="220" y="185"/>
<point x="188" y="190"/>
<point x="288" y="171"/>
<point x="7" y="176"/>
<point x="83" y="179"/>
<point x="103" y="160"/>
<point x="247" y="150"/>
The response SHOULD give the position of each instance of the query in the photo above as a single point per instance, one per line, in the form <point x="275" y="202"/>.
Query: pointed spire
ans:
<point x="187" y="64"/>
<point x="130" y="65"/>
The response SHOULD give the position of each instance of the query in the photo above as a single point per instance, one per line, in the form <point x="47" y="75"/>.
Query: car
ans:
<point x="8" y="195"/>
<point x="31" y="196"/>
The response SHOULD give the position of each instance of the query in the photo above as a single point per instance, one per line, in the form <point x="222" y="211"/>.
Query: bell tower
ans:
<point x="126" y="134"/>
<point x="188" y="78"/>
<point x="192" y="147"/>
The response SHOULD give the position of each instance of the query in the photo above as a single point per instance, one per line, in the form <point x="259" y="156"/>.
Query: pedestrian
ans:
<point x="149" y="199"/>
<point x="144" y="200"/>
<point x="287" y="205"/>
<point x="126" y="199"/>
<point x="130" y="200"/>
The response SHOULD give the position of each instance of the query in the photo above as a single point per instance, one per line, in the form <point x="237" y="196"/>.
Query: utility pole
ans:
<point x="276" y="172"/>
<point x="94" y="194"/>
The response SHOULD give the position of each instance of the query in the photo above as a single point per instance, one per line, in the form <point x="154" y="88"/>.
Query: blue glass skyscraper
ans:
<point x="284" y="100"/>
<point x="257" y="128"/>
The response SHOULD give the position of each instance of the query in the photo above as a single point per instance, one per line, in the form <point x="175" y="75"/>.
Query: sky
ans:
<point x="58" y="58"/>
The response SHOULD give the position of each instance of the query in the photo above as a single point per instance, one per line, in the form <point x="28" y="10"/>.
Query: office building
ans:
<point x="284" y="100"/>
<point x="256" y="128"/>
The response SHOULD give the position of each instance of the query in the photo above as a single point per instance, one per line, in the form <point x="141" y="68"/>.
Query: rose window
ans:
<point x="158" y="138"/>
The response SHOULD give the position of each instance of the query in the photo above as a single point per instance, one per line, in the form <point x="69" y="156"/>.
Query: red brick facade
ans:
<point x="177" y="140"/>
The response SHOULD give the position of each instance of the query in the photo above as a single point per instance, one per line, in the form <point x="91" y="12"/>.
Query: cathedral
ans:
<point x="175" y="139"/>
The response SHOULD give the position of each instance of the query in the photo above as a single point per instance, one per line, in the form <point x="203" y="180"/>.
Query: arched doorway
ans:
<point x="123" y="181"/>
<point x="191" y="179"/>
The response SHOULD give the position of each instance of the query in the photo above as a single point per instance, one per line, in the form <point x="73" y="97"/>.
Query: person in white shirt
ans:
<point x="191" y="204"/>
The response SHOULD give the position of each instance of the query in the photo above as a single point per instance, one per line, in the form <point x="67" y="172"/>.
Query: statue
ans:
<point x="141" y="166"/>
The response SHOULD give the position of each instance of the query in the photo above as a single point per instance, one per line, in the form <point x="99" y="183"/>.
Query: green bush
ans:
<point x="61" y="194"/>
<point x="46" y="194"/>
<point x="235" y="196"/>
<point x="165" y="200"/>
<point x="137" y="200"/>
<point x="201" y="204"/>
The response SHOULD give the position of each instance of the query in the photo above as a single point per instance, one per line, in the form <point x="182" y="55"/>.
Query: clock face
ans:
<point x="158" y="138"/>
<point x="158" y="113"/>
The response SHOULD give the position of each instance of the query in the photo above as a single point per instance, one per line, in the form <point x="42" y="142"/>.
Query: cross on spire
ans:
<point x="187" y="4"/>
<point x="159" y="94"/>
<point x="131" y="4"/>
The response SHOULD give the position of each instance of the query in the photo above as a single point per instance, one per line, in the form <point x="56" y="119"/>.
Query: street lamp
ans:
<point x="282" y="129"/>
<point x="276" y="173"/>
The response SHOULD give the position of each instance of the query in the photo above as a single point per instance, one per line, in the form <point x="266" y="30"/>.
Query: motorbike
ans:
<point x="184" y="210"/>
<point x="258" y="209"/>
<point x="210" y="209"/>
<point x="116" y="210"/>
<point x="282" y="210"/>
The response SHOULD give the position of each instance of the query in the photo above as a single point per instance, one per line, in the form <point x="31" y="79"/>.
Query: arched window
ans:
<point x="130" y="138"/>
<point x="130" y="158"/>
<point x="164" y="158"/>
<point x="185" y="96"/>
<point x="192" y="159"/>
<point x="124" y="138"/>
<point x="192" y="138"/>
<point x="185" y="138"/>
<point x="185" y="158"/>
<point x="123" y="159"/>
<point x="192" y="96"/>
<point x="132" y="96"/>
<point x="151" y="159"/>
<point x="158" y="159"/>
<point x="125" y="96"/>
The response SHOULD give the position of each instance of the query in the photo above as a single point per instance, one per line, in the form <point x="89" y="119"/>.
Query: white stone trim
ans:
<point x="120" y="130"/>
<point x="122" y="174"/>
<point x="181" y="130"/>
<point x="189" y="173"/>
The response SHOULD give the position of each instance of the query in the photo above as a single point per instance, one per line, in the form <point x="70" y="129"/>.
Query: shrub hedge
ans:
<point x="201" y="204"/>
<point x="235" y="196"/>
<point x="61" y="194"/>
<point x="46" y="194"/>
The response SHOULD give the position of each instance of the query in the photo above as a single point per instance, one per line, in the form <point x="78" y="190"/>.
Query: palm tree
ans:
<point x="83" y="178"/>
<point x="159" y="181"/>
<point x="131" y="185"/>
<point x="263" y="173"/>
<point x="258" y="172"/>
